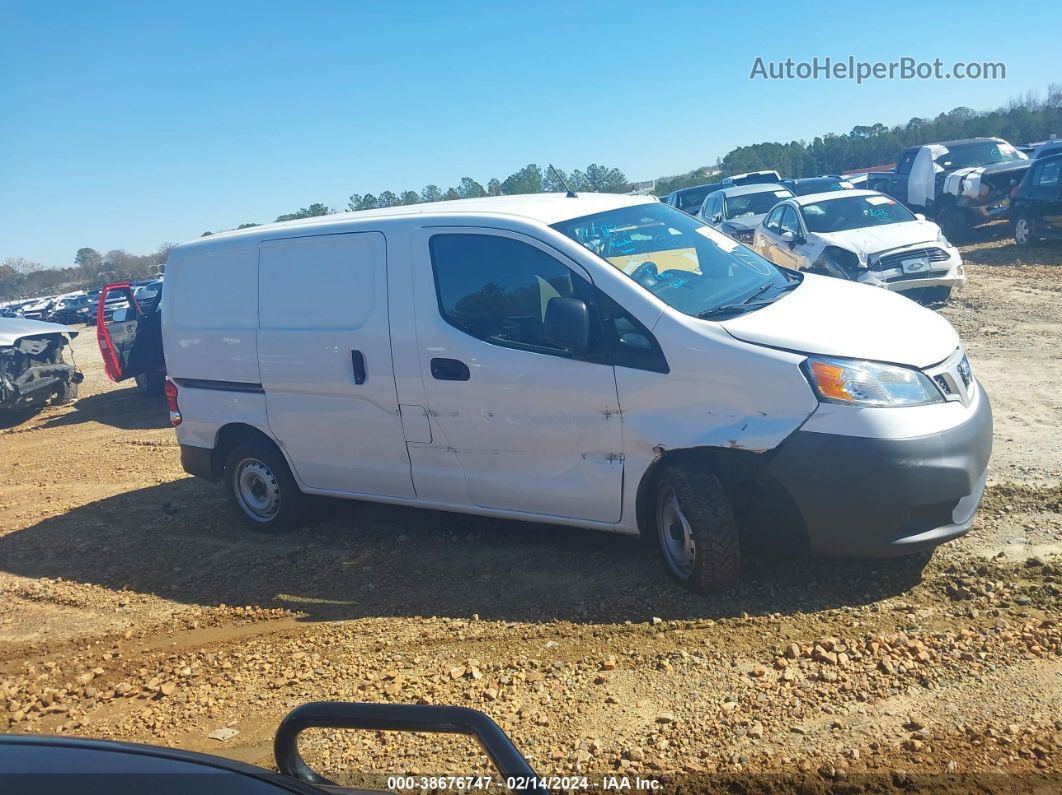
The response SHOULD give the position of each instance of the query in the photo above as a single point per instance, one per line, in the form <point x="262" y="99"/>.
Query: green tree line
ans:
<point x="1023" y="120"/>
<point x="22" y="278"/>
<point x="532" y="178"/>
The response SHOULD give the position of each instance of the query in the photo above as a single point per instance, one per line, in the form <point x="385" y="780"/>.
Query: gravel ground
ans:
<point x="134" y="606"/>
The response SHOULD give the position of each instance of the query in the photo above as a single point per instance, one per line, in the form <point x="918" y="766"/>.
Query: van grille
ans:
<point x="896" y="260"/>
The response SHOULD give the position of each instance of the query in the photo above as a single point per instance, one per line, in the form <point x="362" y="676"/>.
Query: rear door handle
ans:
<point x="449" y="370"/>
<point x="357" y="360"/>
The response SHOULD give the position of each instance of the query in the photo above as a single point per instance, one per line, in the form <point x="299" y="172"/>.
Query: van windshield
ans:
<point x="681" y="260"/>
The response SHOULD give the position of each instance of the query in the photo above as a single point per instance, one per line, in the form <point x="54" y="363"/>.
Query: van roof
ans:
<point x="547" y="208"/>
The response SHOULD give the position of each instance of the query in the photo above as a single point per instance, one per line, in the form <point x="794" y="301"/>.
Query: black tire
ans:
<point x="1024" y="231"/>
<point x="150" y="384"/>
<point x="282" y="504"/>
<point x="67" y="394"/>
<point x="709" y="534"/>
<point x="935" y="295"/>
<point x="954" y="223"/>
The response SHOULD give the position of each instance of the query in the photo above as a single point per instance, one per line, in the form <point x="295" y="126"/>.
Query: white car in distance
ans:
<point x="863" y="236"/>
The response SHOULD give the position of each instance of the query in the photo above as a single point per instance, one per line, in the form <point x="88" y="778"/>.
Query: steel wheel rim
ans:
<point x="1021" y="231"/>
<point x="676" y="535"/>
<point x="257" y="490"/>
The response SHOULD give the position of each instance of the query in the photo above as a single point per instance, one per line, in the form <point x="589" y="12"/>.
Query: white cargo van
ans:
<point x="596" y="361"/>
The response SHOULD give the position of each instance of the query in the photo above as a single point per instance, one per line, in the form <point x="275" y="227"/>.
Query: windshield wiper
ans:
<point x="748" y="303"/>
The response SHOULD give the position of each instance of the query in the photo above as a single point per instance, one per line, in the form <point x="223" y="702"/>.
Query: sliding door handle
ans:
<point x="357" y="360"/>
<point x="449" y="370"/>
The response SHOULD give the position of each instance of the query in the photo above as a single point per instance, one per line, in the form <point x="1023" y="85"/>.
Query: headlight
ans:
<point x="860" y="383"/>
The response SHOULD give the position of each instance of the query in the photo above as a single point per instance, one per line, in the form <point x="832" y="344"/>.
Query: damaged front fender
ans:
<point x="34" y="365"/>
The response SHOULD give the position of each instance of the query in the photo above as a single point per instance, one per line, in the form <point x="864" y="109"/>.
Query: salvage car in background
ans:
<point x="14" y="308"/>
<point x="1036" y="210"/>
<point x="737" y="211"/>
<point x="34" y="369"/>
<point x="38" y="309"/>
<point x="689" y="200"/>
<point x="1046" y="149"/>
<point x="767" y="177"/>
<point x="960" y="184"/>
<point x="808" y="185"/>
<point x="863" y="236"/>
<point x="71" y="309"/>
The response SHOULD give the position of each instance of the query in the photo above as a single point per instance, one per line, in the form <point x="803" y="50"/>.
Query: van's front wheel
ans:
<point x="695" y="527"/>
<point x="262" y="488"/>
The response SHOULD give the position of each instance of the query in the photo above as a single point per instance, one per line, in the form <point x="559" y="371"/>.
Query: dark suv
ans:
<point x="689" y="200"/>
<point x="1036" y="204"/>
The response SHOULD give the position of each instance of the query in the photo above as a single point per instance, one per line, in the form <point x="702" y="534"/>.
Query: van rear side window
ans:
<point x="496" y="288"/>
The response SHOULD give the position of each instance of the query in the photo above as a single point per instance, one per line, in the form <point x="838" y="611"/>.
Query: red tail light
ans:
<point x="171" y="402"/>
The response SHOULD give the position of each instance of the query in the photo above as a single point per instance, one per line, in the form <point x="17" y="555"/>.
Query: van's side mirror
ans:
<point x="567" y="324"/>
<point x="717" y="218"/>
<point x="920" y="216"/>
<point x="120" y="315"/>
<point x="789" y="237"/>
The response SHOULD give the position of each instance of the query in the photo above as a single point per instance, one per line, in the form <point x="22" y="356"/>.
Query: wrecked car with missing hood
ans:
<point x="34" y="366"/>
<point x="961" y="184"/>
<point x="863" y="236"/>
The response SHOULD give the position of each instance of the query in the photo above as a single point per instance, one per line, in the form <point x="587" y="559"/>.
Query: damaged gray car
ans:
<point x="36" y="366"/>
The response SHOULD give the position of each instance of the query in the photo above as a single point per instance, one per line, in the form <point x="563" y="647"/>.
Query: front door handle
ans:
<point x="357" y="361"/>
<point x="449" y="370"/>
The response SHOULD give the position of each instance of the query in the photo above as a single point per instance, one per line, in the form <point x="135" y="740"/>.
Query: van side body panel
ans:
<point x="325" y="358"/>
<point x="210" y="315"/>
<point x="533" y="432"/>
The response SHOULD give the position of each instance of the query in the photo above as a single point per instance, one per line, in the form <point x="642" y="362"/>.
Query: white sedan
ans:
<point x="863" y="236"/>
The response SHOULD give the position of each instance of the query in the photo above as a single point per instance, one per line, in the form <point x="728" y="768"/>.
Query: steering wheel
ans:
<point x="646" y="274"/>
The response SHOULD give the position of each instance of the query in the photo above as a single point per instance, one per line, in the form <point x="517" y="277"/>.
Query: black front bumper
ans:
<point x="886" y="497"/>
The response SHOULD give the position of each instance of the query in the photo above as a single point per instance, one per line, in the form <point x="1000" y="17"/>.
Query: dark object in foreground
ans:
<point x="47" y="765"/>
<point x="1036" y="204"/>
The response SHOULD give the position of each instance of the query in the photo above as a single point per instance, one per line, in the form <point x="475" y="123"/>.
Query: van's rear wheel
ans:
<point x="262" y="488"/>
<point x="695" y="527"/>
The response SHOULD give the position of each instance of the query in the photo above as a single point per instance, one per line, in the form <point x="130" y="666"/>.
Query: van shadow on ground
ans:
<point x="183" y="542"/>
<point x="123" y="408"/>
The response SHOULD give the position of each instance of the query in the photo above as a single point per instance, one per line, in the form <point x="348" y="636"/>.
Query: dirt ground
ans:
<point x="135" y="606"/>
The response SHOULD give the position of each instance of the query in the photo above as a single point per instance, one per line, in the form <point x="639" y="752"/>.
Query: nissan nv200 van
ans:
<point x="597" y="361"/>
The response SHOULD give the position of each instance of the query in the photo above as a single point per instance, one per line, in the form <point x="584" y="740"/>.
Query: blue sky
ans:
<point x="125" y="125"/>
